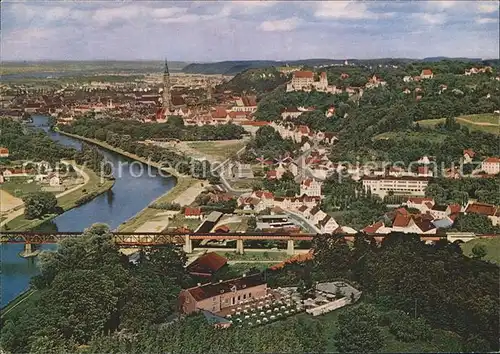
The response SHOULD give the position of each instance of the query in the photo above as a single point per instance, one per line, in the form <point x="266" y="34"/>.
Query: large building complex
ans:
<point x="404" y="185"/>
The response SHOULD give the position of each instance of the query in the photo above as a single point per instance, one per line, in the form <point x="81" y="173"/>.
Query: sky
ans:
<point x="204" y="31"/>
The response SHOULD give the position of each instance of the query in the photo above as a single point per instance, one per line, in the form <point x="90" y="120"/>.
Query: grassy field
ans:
<point x="180" y="221"/>
<point x="218" y="149"/>
<point x="66" y="202"/>
<point x="411" y="136"/>
<point x="148" y="214"/>
<point x="488" y="123"/>
<point x="18" y="188"/>
<point x="492" y="247"/>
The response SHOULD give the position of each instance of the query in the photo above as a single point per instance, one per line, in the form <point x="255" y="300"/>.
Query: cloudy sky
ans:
<point x="224" y="30"/>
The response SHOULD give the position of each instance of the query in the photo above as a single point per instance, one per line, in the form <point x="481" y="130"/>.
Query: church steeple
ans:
<point x="166" y="89"/>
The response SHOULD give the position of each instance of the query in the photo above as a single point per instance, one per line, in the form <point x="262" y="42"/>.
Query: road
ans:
<point x="306" y="224"/>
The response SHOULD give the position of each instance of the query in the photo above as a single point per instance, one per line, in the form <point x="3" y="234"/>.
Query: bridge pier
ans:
<point x="290" y="247"/>
<point x="188" y="244"/>
<point x="239" y="247"/>
<point x="29" y="251"/>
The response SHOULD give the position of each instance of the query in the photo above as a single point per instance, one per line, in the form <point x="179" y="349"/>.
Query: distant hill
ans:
<point x="434" y="59"/>
<point x="254" y="81"/>
<point x="237" y="66"/>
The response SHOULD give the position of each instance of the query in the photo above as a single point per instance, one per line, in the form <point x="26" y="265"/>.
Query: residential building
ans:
<point x="215" y="297"/>
<point x="416" y="224"/>
<point x="405" y="185"/>
<point x="468" y="155"/>
<point x="4" y="152"/>
<point x="426" y="74"/>
<point x="192" y="213"/>
<point x="377" y="228"/>
<point x="421" y="204"/>
<point x="491" y="165"/>
<point x="311" y="187"/>
<point x="327" y="225"/>
<point x="245" y="104"/>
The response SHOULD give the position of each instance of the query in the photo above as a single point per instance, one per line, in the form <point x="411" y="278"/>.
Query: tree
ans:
<point x="479" y="251"/>
<point x="38" y="204"/>
<point x="358" y="331"/>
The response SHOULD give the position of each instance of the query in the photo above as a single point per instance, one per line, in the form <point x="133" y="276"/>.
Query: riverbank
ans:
<point x="184" y="192"/>
<point x="104" y="145"/>
<point x="67" y="200"/>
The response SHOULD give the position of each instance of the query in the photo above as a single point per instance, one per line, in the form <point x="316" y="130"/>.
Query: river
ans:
<point x="130" y="194"/>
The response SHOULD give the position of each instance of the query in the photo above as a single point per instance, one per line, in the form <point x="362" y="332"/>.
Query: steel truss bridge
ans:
<point x="162" y="238"/>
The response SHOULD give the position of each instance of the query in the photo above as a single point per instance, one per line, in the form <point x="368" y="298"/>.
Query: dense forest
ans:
<point x="101" y="303"/>
<point x="27" y="144"/>
<point x="174" y="128"/>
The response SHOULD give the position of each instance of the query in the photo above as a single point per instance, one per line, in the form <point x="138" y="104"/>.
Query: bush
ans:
<point x="166" y="206"/>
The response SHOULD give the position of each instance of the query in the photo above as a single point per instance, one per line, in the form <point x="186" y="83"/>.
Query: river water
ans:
<point x="131" y="193"/>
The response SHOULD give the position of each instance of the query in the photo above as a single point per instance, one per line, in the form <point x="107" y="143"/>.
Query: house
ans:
<point x="4" y="152"/>
<point x="469" y="155"/>
<point x="409" y="223"/>
<point x="426" y="74"/>
<point x="54" y="180"/>
<point x="215" y="297"/>
<point x="245" y="104"/>
<point x="421" y="204"/>
<point x="374" y="81"/>
<point x="206" y="265"/>
<point x="407" y="78"/>
<point x="311" y="187"/>
<point x="424" y="171"/>
<point x="316" y="214"/>
<point x="304" y="211"/>
<point x="406" y="91"/>
<point x="330" y="112"/>
<point x="491" y="165"/>
<point x="344" y="76"/>
<point x="192" y="213"/>
<point x="377" y="228"/>
<point x="327" y="225"/>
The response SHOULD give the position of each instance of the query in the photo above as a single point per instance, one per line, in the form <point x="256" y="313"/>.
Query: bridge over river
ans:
<point x="133" y="239"/>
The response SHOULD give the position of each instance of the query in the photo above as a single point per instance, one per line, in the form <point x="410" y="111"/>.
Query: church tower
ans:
<point x="166" y="89"/>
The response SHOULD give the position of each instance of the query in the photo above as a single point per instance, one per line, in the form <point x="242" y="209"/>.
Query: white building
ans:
<point x="381" y="186"/>
<point x="311" y="187"/>
<point x="304" y="81"/>
<point x="491" y="165"/>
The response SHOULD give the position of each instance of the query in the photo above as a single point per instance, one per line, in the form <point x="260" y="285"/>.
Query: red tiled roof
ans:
<point x="222" y="228"/>
<point x="481" y="208"/>
<point x="401" y="220"/>
<point x="207" y="264"/>
<point x="264" y="194"/>
<point x="219" y="112"/>
<point x="419" y="200"/>
<point x="192" y="212"/>
<point x="373" y="228"/>
<point x="303" y="74"/>
<point x="426" y="72"/>
<point x="454" y="208"/>
<point x="492" y="160"/>
<point x="210" y="290"/>
<point x="469" y="152"/>
<point x="4" y="151"/>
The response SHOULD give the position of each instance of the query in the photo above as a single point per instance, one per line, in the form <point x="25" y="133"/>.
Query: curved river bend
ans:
<point x="131" y="193"/>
